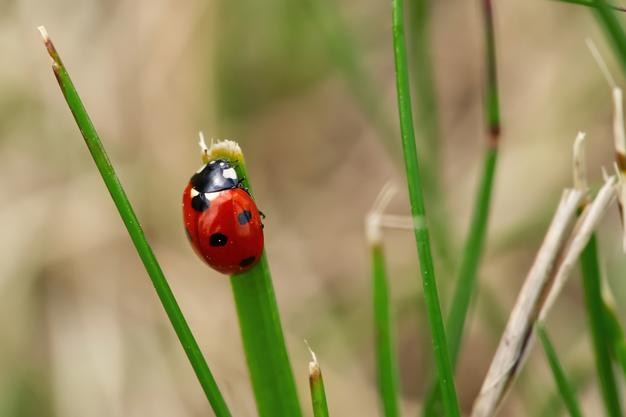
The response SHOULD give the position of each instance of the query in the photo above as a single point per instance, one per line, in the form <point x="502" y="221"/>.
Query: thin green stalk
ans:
<point x="552" y="405"/>
<point x="131" y="222"/>
<point x="565" y="388"/>
<point x="264" y="343"/>
<point x="428" y="131"/>
<point x="474" y="245"/>
<point x="590" y="3"/>
<point x="259" y="321"/>
<point x="617" y="340"/>
<point x="598" y="327"/>
<point x="386" y="360"/>
<point x="612" y="28"/>
<point x="318" y="393"/>
<point x="472" y="254"/>
<point x="346" y="54"/>
<point x="429" y="283"/>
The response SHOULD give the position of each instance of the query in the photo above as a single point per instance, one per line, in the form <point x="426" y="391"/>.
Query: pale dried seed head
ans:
<point x="225" y="149"/>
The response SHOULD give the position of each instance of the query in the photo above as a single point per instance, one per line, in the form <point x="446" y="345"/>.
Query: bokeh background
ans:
<point x="308" y="90"/>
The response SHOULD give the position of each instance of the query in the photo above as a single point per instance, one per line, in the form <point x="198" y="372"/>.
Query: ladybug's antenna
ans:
<point x="203" y="148"/>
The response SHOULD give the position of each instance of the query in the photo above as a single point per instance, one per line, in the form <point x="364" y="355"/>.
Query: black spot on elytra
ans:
<point x="218" y="239"/>
<point x="247" y="261"/>
<point x="244" y="217"/>
<point x="200" y="203"/>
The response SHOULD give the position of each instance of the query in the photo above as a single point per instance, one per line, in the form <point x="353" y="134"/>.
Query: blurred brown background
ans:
<point x="81" y="330"/>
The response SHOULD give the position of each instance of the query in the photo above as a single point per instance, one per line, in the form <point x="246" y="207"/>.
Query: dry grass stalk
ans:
<point x="511" y="349"/>
<point x="552" y="267"/>
<point x="584" y="228"/>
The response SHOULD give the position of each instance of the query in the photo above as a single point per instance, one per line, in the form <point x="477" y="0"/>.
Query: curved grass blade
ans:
<point x="590" y="3"/>
<point x="616" y="335"/>
<point x="131" y="222"/>
<point x="474" y="245"/>
<point x="598" y="327"/>
<point x="259" y="320"/>
<point x="429" y="283"/>
<point x="428" y="130"/>
<point x="612" y="29"/>
<point x="564" y="387"/>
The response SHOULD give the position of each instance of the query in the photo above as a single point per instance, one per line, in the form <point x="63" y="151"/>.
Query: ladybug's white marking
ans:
<point x="230" y="173"/>
<point x="193" y="192"/>
<point x="212" y="196"/>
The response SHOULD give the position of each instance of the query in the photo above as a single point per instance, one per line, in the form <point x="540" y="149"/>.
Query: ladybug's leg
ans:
<point x="240" y="185"/>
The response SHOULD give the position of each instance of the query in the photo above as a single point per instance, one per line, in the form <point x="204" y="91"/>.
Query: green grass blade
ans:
<point x="598" y="327"/>
<point x="259" y="321"/>
<point x="346" y="54"/>
<point x="473" y="249"/>
<point x="612" y="28"/>
<point x="386" y="360"/>
<point x="428" y="130"/>
<point x="616" y="337"/>
<point x="565" y="388"/>
<point x="474" y="245"/>
<point x="590" y="3"/>
<point x="429" y="283"/>
<point x="131" y="222"/>
<point x="264" y="343"/>
<point x="318" y="393"/>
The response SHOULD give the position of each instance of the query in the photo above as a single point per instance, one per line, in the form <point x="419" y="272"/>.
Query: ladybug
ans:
<point x="221" y="219"/>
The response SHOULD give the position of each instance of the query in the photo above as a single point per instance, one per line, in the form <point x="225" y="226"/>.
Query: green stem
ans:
<point x="259" y="320"/>
<point x="429" y="283"/>
<point x="612" y="28"/>
<point x="590" y="3"/>
<point x="598" y="327"/>
<point x="131" y="222"/>
<point x="565" y="388"/>
<point x="428" y="131"/>
<point x="264" y="343"/>
<point x="616" y="335"/>
<point x="474" y="245"/>
<point x="318" y="393"/>
<point x="386" y="360"/>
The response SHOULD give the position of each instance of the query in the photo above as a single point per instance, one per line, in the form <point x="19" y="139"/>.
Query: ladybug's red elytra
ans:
<point x="221" y="219"/>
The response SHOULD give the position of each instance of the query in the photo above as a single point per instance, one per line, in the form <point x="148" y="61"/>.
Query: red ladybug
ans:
<point x="221" y="219"/>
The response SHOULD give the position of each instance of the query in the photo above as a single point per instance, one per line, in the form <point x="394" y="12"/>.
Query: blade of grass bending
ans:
<point x="598" y="327"/>
<point x="565" y="388"/>
<point x="612" y="29"/>
<point x="428" y="130"/>
<point x="131" y="222"/>
<point x="429" y="283"/>
<point x="616" y="335"/>
<point x="473" y="249"/>
<point x="259" y="320"/>
<point x="316" y="384"/>
<point x="347" y="56"/>
<point x="386" y="361"/>
<point x="590" y="3"/>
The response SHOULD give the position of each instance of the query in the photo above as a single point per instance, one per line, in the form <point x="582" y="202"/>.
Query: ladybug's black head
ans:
<point x="217" y="175"/>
